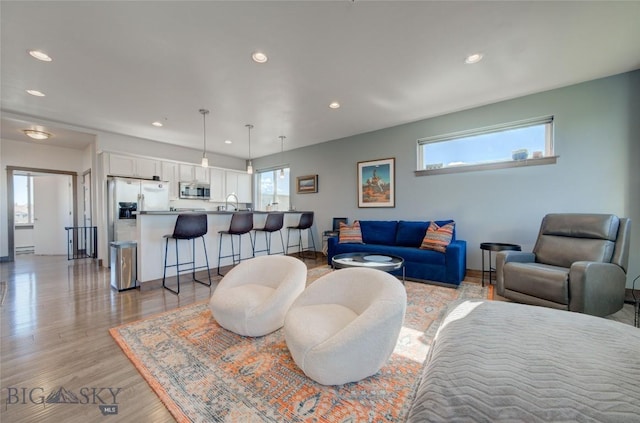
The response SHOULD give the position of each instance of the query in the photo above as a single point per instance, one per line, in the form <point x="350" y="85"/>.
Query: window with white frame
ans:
<point x="506" y="145"/>
<point x="273" y="189"/>
<point x="23" y="199"/>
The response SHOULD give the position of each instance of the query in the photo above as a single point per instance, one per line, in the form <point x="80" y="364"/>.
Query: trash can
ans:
<point x="124" y="264"/>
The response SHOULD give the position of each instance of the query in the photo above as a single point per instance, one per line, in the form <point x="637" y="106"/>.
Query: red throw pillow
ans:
<point x="350" y="234"/>
<point x="437" y="237"/>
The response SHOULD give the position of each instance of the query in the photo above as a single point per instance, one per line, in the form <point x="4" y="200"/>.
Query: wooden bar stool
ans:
<point x="241" y="223"/>
<point x="273" y="223"/>
<point x="305" y="223"/>
<point x="188" y="226"/>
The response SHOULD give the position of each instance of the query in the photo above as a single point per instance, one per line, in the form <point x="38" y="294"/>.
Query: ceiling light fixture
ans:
<point x="227" y="141"/>
<point x="282" y="137"/>
<point x="334" y="105"/>
<point x="259" y="57"/>
<point x="473" y="58"/>
<point x="36" y="135"/>
<point x="36" y="93"/>
<point x="156" y="123"/>
<point x="37" y="54"/>
<point x="205" y="161"/>
<point x="249" y="166"/>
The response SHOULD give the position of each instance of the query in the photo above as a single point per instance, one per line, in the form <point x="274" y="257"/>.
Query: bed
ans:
<point x="495" y="361"/>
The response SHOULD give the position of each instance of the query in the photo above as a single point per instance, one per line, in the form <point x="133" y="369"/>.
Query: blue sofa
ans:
<point x="403" y="239"/>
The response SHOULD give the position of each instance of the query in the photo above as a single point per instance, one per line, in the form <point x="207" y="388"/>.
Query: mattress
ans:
<point x="503" y="362"/>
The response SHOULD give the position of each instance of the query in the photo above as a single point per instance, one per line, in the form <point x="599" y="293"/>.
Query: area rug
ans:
<point x="204" y="373"/>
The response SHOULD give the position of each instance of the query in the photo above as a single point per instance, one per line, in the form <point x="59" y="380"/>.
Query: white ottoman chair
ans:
<point x="253" y="298"/>
<point x="345" y="325"/>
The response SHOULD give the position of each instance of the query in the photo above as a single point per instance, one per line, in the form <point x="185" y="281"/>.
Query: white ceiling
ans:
<point x="118" y="66"/>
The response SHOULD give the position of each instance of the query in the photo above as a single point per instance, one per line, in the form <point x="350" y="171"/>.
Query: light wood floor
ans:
<point x="55" y="320"/>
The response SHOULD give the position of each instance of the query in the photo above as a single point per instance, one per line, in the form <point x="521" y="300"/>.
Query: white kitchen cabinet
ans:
<point x="217" y="184"/>
<point x="239" y="183"/>
<point x="170" y="174"/>
<point x="122" y="165"/>
<point x="190" y="173"/>
<point x="147" y="168"/>
<point x="134" y="167"/>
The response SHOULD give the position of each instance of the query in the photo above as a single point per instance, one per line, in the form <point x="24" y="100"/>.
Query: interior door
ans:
<point x="53" y="211"/>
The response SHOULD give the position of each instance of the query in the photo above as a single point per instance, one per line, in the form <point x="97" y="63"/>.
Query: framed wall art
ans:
<point x="376" y="183"/>
<point x="307" y="184"/>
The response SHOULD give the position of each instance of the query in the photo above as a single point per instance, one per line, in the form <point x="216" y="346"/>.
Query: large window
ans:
<point x="513" y="144"/>
<point x="23" y="199"/>
<point x="273" y="189"/>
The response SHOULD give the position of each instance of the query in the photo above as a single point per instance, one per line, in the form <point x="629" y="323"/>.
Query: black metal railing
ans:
<point x="82" y="242"/>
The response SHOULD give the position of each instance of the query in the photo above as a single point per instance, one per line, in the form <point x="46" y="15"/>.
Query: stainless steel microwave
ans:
<point x="196" y="191"/>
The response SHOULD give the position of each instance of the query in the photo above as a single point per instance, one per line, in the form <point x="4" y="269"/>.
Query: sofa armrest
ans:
<point x="596" y="288"/>
<point x="504" y="257"/>
<point x="332" y="241"/>
<point x="456" y="261"/>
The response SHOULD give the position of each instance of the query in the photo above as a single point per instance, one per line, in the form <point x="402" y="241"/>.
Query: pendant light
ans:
<point x="205" y="161"/>
<point x="282" y="137"/>
<point x="249" y="166"/>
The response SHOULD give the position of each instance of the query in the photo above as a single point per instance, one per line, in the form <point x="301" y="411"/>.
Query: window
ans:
<point x="528" y="142"/>
<point x="273" y="189"/>
<point x="23" y="199"/>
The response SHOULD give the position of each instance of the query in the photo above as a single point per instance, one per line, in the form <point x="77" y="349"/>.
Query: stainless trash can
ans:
<point x="124" y="264"/>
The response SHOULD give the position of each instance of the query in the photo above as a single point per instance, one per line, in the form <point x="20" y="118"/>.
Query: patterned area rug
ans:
<point x="204" y="373"/>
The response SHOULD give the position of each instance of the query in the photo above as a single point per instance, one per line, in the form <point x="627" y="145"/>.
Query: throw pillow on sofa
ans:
<point x="437" y="237"/>
<point x="350" y="234"/>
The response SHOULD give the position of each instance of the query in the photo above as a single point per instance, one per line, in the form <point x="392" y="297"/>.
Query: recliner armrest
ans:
<point x="504" y="257"/>
<point x="596" y="288"/>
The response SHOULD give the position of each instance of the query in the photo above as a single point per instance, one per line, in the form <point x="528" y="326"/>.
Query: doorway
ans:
<point x="53" y="206"/>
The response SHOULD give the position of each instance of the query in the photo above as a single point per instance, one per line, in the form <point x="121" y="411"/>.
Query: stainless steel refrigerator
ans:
<point x="127" y="196"/>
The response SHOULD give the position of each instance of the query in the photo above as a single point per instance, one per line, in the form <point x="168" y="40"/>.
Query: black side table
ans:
<point x="495" y="246"/>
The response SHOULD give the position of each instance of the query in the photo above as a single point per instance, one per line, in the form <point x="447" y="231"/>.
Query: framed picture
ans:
<point x="376" y="183"/>
<point x="307" y="184"/>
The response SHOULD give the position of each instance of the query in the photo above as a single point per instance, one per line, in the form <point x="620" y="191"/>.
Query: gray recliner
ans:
<point x="579" y="263"/>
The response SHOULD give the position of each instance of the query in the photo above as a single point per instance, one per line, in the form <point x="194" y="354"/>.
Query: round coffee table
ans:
<point x="384" y="262"/>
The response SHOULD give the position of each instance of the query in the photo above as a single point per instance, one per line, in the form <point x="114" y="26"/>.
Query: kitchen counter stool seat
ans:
<point x="305" y="223"/>
<point x="189" y="226"/>
<point x="274" y="223"/>
<point x="241" y="223"/>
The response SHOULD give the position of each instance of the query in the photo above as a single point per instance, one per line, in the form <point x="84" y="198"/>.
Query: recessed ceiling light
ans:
<point x="473" y="58"/>
<point x="259" y="57"/>
<point x="40" y="55"/>
<point x="156" y="123"/>
<point x="227" y="141"/>
<point x="36" y="135"/>
<point x="36" y="93"/>
<point x="334" y="105"/>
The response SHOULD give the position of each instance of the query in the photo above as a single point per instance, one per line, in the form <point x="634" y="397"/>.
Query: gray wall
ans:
<point x="597" y="137"/>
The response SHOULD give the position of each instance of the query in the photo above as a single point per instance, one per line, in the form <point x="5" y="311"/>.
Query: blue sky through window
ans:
<point x="485" y="148"/>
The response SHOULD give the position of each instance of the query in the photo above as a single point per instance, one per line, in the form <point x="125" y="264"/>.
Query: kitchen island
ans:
<point x="151" y="226"/>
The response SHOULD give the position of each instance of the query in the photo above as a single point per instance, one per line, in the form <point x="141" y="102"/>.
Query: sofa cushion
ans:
<point x="438" y="238"/>
<point x="350" y="233"/>
<point x="410" y="234"/>
<point x="378" y="231"/>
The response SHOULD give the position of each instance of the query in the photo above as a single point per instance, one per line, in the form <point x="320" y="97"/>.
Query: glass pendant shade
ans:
<point x="249" y="166"/>
<point x="205" y="161"/>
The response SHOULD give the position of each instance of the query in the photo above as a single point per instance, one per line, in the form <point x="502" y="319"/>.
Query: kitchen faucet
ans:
<point x="226" y="202"/>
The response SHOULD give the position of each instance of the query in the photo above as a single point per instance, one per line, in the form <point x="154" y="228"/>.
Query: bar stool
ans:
<point x="188" y="226"/>
<point x="305" y="223"/>
<point x="273" y="223"/>
<point x="241" y="223"/>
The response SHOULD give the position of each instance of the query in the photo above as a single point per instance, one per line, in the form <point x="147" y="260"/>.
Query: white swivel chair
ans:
<point x="345" y="325"/>
<point x="253" y="298"/>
